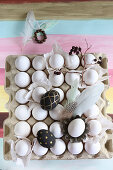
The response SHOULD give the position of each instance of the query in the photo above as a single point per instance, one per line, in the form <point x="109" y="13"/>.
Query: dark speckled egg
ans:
<point x="45" y="138"/>
<point x="50" y="100"/>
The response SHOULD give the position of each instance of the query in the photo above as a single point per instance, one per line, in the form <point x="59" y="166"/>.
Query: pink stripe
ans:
<point x="2" y="75"/>
<point x="100" y="43"/>
<point x="1" y="133"/>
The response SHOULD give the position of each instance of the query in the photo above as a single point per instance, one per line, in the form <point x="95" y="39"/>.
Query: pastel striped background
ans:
<point x="99" y="33"/>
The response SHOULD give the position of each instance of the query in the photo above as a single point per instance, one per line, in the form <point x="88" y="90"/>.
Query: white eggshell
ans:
<point x="39" y="150"/>
<point x="55" y="128"/>
<point x="76" y="127"/>
<point x="93" y="112"/>
<point x="56" y="80"/>
<point x="38" y="93"/>
<point x="71" y="77"/>
<point x="60" y="92"/>
<point x="22" y="79"/>
<point x="38" y="126"/>
<point x="75" y="148"/>
<point x="56" y="61"/>
<point x="39" y="63"/>
<point x="90" y="76"/>
<point x="20" y="96"/>
<point x="22" y="63"/>
<point x="56" y="112"/>
<point x="68" y="93"/>
<point x="92" y="148"/>
<point x="59" y="147"/>
<point x="89" y="59"/>
<point x="22" y="129"/>
<point x="72" y="61"/>
<point x="38" y="113"/>
<point x="38" y="76"/>
<point x="22" y="148"/>
<point x="95" y="127"/>
<point x="22" y="112"/>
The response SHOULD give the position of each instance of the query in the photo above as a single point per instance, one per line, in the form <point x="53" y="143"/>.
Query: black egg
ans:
<point x="45" y="138"/>
<point x="50" y="100"/>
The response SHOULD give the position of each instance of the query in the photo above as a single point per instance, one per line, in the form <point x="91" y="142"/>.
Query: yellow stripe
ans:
<point x="3" y="99"/>
<point x="109" y="96"/>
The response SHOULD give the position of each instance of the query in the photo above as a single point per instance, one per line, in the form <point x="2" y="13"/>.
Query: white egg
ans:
<point x="56" y="61"/>
<point x="59" y="147"/>
<point x="22" y="148"/>
<point x="89" y="59"/>
<point x="60" y="92"/>
<point x="55" y="114"/>
<point x="95" y="127"/>
<point x="90" y="77"/>
<point x="39" y="150"/>
<point x="92" y="148"/>
<point x="38" y="93"/>
<point x="75" y="148"/>
<point x="38" y="113"/>
<point x="22" y="79"/>
<point x="72" y="61"/>
<point x="93" y="112"/>
<point x="22" y="129"/>
<point x="71" y="77"/>
<point x="20" y="96"/>
<point x="39" y="63"/>
<point x="38" y="76"/>
<point x="22" y="112"/>
<point x="55" y="128"/>
<point x="38" y="126"/>
<point x="56" y="80"/>
<point x="22" y="63"/>
<point x="76" y="127"/>
<point x="68" y="93"/>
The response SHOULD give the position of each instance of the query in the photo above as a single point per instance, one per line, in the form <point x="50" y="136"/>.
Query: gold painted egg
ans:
<point x="45" y="138"/>
<point x="50" y="100"/>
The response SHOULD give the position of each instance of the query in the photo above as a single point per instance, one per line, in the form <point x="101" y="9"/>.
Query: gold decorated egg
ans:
<point x="50" y="100"/>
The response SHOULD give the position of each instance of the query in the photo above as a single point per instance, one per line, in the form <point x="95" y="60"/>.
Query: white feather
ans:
<point x="29" y="27"/>
<point x="87" y="98"/>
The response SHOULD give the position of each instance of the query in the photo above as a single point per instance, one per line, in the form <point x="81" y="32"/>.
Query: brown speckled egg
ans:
<point x="50" y="100"/>
<point x="45" y="138"/>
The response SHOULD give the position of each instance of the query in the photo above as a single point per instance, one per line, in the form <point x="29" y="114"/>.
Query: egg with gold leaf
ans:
<point x="50" y="100"/>
<point x="46" y="138"/>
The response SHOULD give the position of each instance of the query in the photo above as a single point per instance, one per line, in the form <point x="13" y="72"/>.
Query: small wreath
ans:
<point x="43" y="35"/>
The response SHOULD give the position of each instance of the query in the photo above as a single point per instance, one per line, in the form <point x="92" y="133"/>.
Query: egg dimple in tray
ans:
<point x="11" y="88"/>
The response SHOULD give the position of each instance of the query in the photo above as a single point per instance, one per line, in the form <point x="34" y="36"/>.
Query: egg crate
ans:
<point x="11" y="88"/>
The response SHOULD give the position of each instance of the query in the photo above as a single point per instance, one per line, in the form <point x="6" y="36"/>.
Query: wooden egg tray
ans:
<point x="9" y="123"/>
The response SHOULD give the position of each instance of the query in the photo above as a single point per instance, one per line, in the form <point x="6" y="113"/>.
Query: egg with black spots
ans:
<point x="50" y="100"/>
<point x="46" y="138"/>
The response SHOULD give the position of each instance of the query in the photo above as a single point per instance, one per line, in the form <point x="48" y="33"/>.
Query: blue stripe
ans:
<point x="94" y="27"/>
